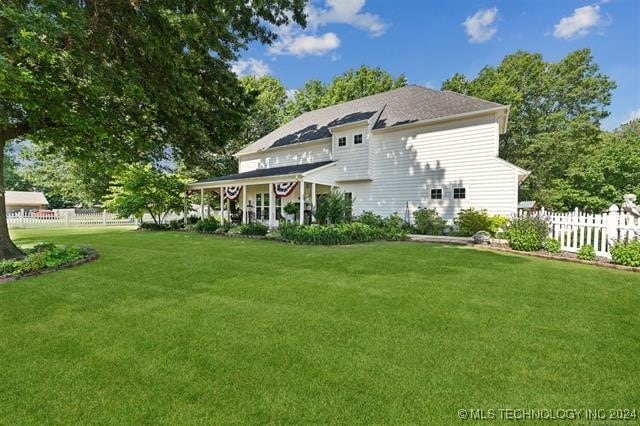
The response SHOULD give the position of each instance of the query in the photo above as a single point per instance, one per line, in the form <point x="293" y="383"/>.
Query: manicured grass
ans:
<point x="175" y="327"/>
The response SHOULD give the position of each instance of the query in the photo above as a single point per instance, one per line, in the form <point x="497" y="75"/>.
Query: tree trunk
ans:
<point x="8" y="250"/>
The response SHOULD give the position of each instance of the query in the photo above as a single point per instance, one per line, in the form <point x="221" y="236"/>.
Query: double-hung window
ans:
<point x="459" y="193"/>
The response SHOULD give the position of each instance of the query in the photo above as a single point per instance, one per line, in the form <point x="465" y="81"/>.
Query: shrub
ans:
<point x="395" y="222"/>
<point x="9" y="266"/>
<point x="253" y="229"/>
<point x="626" y="253"/>
<point x="192" y="220"/>
<point x="371" y="219"/>
<point x="152" y="226"/>
<point x="429" y="222"/>
<point x="234" y="230"/>
<point x="291" y="208"/>
<point x="470" y="221"/>
<point x="346" y="233"/>
<point x="551" y="245"/>
<point x="527" y="233"/>
<point x="587" y="252"/>
<point x="206" y="225"/>
<point x="176" y="224"/>
<point x="497" y="225"/>
<point x="32" y="262"/>
<point x="40" y="256"/>
<point x="333" y="208"/>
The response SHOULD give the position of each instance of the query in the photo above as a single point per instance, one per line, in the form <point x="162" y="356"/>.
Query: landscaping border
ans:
<point x="90" y="257"/>
<point x="501" y="246"/>
<point x="560" y="258"/>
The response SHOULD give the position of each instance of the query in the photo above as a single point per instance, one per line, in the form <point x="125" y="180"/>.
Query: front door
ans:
<point x="262" y="208"/>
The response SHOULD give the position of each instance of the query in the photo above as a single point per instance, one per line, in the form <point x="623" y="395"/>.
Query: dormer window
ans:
<point x="342" y="141"/>
<point x="357" y="139"/>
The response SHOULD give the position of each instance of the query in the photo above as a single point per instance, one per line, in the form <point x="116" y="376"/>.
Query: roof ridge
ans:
<point x="360" y="99"/>
<point x="475" y="98"/>
<point x="407" y="104"/>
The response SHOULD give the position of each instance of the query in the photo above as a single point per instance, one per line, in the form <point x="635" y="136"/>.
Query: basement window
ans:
<point x="357" y="139"/>
<point x="459" y="193"/>
<point x="342" y="141"/>
<point x="436" y="194"/>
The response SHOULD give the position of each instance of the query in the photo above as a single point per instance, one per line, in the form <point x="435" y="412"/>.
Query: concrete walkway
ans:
<point x="443" y="239"/>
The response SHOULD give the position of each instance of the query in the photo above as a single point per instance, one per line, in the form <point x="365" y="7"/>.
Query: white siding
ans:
<point x="311" y="153"/>
<point x="408" y="164"/>
<point x="353" y="161"/>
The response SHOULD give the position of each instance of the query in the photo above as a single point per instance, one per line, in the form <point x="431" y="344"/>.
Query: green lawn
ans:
<point x="175" y="327"/>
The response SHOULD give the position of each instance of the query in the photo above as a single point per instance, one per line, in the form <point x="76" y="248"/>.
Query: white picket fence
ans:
<point x="68" y="219"/>
<point x="576" y="229"/>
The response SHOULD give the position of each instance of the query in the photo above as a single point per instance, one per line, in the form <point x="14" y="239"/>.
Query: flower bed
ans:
<point x="43" y="258"/>
<point x="340" y="234"/>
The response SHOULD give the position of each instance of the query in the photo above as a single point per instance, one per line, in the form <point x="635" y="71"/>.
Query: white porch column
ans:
<point x="201" y="202"/>
<point x="244" y="204"/>
<point x="222" y="204"/>
<point x="313" y="199"/>
<point x="272" y="206"/>
<point x="301" y="202"/>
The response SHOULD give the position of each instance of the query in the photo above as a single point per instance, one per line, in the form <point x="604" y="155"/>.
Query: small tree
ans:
<point x="333" y="208"/>
<point x="140" y="189"/>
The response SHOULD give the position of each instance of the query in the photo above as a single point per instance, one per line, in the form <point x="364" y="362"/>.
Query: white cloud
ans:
<point x="346" y="12"/>
<point x="292" y="42"/>
<point x="634" y="115"/>
<point x="250" y="66"/>
<point x="481" y="26"/>
<point x="583" y="20"/>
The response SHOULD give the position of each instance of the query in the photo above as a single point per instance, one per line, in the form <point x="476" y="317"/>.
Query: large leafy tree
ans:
<point x="601" y="176"/>
<point x="64" y="182"/>
<point x="13" y="179"/>
<point x="352" y="84"/>
<point x="556" y="110"/>
<point x="126" y="79"/>
<point x="265" y="115"/>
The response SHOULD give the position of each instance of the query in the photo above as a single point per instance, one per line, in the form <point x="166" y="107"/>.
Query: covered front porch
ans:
<point x="261" y="195"/>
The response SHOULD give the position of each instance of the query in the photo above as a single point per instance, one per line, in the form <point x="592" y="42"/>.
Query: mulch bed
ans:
<point x="564" y="256"/>
<point x="93" y="255"/>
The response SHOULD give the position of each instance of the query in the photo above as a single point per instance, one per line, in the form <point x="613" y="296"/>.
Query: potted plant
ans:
<point x="290" y="209"/>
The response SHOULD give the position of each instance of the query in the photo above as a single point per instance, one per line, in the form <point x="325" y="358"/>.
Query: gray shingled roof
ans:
<point x="274" y="171"/>
<point x="396" y="107"/>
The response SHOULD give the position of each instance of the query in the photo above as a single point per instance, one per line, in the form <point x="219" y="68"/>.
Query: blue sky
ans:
<point x="429" y="40"/>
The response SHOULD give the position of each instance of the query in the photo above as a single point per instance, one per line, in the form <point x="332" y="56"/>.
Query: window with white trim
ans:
<point x="436" y="194"/>
<point x="459" y="193"/>
<point x="357" y="139"/>
<point x="342" y="141"/>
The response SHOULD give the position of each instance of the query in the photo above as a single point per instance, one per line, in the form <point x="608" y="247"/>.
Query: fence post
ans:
<point x="66" y="218"/>
<point x="104" y="217"/>
<point x="613" y="219"/>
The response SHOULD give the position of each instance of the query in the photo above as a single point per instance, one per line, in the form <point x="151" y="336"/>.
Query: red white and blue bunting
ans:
<point x="284" y="189"/>
<point x="232" y="192"/>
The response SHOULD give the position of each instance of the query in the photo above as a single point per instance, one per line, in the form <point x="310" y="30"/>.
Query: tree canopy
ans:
<point x="555" y="115"/>
<point x="140" y="189"/>
<point x="350" y="85"/>
<point x="601" y="176"/>
<point x="127" y="80"/>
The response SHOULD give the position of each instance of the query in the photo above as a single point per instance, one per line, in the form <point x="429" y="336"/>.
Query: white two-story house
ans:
<point x="393" y="152"/>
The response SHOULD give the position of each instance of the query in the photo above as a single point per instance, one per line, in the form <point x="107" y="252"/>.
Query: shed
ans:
<point x="24" y="201"/>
